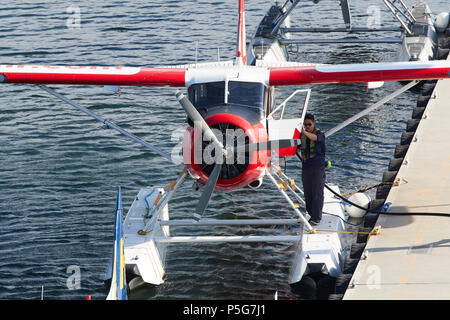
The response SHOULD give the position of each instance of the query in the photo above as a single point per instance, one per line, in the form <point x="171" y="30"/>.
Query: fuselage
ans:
<point x="234" y="102"/>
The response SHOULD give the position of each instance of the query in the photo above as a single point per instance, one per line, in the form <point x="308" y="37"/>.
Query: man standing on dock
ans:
<point x="312" y="154"/>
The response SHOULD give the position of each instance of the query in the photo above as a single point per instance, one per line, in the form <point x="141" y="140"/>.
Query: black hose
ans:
<point x="437" y="214"/>
<point x="345" y="199"/>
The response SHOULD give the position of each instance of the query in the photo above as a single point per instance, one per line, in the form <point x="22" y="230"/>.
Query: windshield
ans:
<point x="207" y="94"/>
<point x="246" y="93"/>
<point x="419" y="29"/>
<point x="250" y="94"/>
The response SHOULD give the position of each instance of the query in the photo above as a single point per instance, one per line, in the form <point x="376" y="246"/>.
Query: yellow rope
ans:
<point x="293" y="184"/>
<point x="171" y="185"/>
<point x="374" y="231"/>
<point x="158" y="198"/>
<point x="270" y="36"/>
<point x="396" y="182"/>
<point x="279" y="171"/>
<point x="181" y="173"/>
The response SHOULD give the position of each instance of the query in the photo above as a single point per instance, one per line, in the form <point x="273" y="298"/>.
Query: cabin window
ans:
<point x="207" y="94"/>
<point x="249" y="94"/>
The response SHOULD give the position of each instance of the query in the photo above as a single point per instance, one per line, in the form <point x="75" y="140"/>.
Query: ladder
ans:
<point x="401" y="12"/>
<point x="285" y="11"/>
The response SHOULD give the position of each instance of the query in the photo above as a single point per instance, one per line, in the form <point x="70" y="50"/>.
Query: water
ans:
<point x="60" y="169"/>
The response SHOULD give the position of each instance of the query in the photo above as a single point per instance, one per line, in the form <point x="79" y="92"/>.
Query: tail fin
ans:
<point x="241" y="50"/>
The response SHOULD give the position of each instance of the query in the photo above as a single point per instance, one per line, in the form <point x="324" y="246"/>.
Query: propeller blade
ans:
<point x="269" y="145"/>
<point x="207" y="192"/>
<point x="198" y="120"/>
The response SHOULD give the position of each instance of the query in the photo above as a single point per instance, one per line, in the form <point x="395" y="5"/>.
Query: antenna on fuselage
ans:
<point x="196" y="52"/>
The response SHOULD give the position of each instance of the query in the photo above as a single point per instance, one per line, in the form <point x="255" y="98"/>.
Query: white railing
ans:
<point x="283" y="104"/>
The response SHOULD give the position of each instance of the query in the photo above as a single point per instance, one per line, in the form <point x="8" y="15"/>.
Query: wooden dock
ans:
<point x="410" y="258"/>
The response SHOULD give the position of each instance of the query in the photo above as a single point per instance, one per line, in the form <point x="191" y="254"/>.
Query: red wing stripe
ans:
<point x="359" y="73"/>
<point x="87" y="75"/>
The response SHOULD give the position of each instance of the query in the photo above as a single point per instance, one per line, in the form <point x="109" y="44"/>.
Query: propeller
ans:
<point x="199" y="122"/>
<point x="208" y="190"/>
<point x="209" y="135"/>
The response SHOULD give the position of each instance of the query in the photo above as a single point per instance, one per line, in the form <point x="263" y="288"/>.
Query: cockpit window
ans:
<point x="207" y="94"/>
<point x="246" y="93"/>
<point x="250" y="94"/>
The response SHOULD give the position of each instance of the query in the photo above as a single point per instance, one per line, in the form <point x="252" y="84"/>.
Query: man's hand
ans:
<point x="309" y="135"/>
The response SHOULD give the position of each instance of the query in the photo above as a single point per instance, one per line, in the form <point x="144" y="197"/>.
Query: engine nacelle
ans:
<point x="239" y="170"/>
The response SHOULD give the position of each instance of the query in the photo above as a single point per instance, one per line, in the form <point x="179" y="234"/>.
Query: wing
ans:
<point x="367" y="72"/>
<point x="92" y="75"/>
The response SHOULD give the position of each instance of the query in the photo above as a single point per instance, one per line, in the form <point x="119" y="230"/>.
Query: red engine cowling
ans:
<point x="237" y="172"/>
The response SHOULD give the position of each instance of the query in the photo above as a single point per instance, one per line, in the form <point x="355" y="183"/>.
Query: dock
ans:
<point x="410" y="258"/>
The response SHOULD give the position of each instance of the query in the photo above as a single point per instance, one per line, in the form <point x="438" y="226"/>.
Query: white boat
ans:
<point x="420" y="38"/>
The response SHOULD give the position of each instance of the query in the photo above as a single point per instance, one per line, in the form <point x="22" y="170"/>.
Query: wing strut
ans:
<point x="369" y="109"/>
<point x="108" y="123"/>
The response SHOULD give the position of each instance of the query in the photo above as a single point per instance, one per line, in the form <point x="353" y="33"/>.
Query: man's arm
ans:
<point x="309" y="135"/>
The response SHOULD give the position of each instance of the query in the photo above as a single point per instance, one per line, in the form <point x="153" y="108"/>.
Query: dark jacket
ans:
<point x="312" y="153"/>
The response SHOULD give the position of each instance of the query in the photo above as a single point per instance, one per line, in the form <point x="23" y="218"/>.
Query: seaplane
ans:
<point x="236" y="136"/>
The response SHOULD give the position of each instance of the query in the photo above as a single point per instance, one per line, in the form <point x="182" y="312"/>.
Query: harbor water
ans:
<point x="60" y="169"/>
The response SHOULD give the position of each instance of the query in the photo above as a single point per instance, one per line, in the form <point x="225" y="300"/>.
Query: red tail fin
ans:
<point x="241" y="50"/>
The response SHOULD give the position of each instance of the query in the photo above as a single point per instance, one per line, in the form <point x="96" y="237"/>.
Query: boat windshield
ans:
<point x="207" y="94"/>
<point x="249" y="94"/>
<point x="420" y="29"/>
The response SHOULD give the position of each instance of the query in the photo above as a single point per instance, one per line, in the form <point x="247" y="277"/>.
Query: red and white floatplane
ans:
<point x="236" y="135"/>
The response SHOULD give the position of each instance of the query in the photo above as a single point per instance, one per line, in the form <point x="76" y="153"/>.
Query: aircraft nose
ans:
<point x="239" y="168"/>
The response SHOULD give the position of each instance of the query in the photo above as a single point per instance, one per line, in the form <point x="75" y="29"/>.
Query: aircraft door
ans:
<point x="280" y="127"/>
